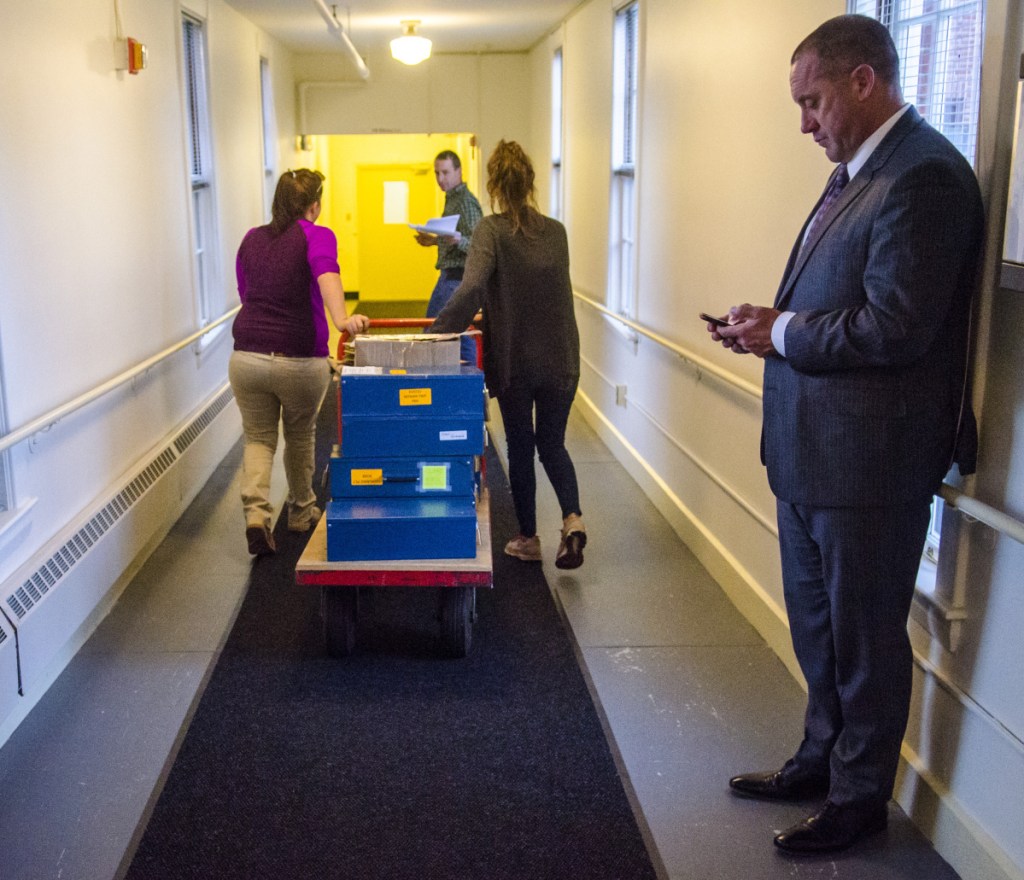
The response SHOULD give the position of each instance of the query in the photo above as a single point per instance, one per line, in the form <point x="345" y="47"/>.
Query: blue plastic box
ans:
<point x="421" y="392"/>
<point x="395" y="437"/>
<point x="426" y="412"/>
<point x="401" y="528"/>
<point x="402" y="477"/>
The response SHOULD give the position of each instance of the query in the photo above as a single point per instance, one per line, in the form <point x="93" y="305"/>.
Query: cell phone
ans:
<point x="711" y="319"/>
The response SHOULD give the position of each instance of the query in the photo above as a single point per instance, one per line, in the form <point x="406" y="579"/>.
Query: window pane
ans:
<point x="267" y="116"/>
<point x="629" y="129"/>
<point x="625" y="85"/>
<point x="555" y="198"/>
<point x="6" y="488"/>
<point x="396" y="201"/>
<point x="556" y="107"/>
<point x="200" y="170"/>
<point x="939" y="44"/>
<point x="193" y="63"/>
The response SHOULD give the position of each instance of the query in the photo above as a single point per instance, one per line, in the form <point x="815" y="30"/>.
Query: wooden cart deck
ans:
<point x="340" y="582"/>
<point x="314" y="569"/>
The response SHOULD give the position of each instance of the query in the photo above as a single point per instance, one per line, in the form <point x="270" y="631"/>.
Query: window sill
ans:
<point x="207" y="341"/>
<point x="10" y="518"/>
<point x="627" y="333"/>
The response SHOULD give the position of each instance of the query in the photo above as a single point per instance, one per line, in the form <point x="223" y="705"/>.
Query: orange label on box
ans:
<point x="367" y="477"/>
<point x="414" y="396"/>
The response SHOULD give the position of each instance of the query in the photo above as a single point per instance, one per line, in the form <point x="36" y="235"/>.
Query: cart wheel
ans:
<point x="339" y="606"/>
<point x="457" y="620"/>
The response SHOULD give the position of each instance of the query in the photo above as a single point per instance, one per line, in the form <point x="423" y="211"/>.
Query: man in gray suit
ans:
<point x="865" y="411"/>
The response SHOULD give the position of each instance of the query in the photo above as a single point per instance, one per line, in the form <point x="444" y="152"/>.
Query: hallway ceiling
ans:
<point x="454" y="26"/>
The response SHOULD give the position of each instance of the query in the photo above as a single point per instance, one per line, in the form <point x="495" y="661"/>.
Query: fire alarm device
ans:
<point x="136" y="56"/>
<point x="131" y="55"/>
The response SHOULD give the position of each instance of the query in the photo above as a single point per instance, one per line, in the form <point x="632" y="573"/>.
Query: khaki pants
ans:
<point x="272" y="390"/>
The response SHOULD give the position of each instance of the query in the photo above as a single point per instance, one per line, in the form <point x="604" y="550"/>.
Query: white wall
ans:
<point x="725" y="180"/>
<point x="482" y="94"/>
<point x="95" y="245"/>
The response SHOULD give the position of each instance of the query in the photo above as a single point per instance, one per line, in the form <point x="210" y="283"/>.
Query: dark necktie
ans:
<point x="835" y="187"/>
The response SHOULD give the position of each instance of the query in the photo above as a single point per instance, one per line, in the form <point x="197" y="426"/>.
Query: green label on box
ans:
<point x="434" y="477"/>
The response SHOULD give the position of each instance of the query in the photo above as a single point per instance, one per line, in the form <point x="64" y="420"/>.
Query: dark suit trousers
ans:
<point x="848" y="578"/>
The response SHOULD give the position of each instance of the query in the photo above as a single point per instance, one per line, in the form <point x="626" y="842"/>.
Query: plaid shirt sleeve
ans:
<point x="465" y="204"/>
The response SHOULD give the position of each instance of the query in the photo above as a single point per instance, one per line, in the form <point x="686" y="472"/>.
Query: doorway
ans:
<point x="381" y="262"/>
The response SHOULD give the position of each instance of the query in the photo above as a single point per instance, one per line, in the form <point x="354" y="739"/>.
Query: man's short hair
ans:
<point x="449" y="154"/>
<point x="847" y="41"/>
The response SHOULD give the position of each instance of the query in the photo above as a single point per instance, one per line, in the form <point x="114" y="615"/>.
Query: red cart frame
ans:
<point x="455" y="579"/>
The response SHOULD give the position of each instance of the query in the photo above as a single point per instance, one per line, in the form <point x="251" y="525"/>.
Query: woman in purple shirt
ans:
<point x="287" y="273"/>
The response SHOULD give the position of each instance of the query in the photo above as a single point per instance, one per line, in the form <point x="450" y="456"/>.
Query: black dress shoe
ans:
<point x="833" y="827"/>
<point x="782" y="785"/>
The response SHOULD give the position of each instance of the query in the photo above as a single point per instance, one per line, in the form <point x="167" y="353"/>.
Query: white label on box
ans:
<point x="453" y="435"/>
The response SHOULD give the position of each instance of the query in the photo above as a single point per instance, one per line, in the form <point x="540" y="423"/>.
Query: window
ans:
<point x="556" y="135"/>
<point x="269" y="137"/>
<point x="622" y="253"/>
<point x="939" y="44"/>
<point x="200" y="172"/>
<point x="6" y="486"/>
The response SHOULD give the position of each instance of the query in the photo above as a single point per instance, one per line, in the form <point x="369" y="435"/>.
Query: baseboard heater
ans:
<point x="84" y="566"/>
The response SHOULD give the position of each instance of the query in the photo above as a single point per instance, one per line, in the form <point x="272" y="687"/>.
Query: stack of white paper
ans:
<point x="438" y="225"/>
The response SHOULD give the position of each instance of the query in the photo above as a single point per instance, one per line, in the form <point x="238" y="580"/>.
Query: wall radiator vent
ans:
<point x="188" y="436"/>
<point x="60" y="563"/>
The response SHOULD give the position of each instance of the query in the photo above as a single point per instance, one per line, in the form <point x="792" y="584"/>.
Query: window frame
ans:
<point x="930" y="581"/>
<point x="933" y="62"/>
<point x="556" y="195"/>
<point x="622" y="252"/>
<point x="268" y="123"/>
<point x="206" y="269"/>
<point x="7" y="496"/>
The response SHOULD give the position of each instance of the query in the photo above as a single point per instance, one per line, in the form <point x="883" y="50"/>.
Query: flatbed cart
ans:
<point x="456" y="580"/>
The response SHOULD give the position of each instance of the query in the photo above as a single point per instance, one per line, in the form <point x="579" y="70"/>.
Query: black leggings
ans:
<point x="547" y="437"/>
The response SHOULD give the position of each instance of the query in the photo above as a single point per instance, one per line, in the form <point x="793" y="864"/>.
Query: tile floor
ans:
<point x="689" y="692"/>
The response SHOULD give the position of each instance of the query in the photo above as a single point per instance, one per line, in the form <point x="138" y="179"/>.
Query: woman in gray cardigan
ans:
<point x="517" y="272"/>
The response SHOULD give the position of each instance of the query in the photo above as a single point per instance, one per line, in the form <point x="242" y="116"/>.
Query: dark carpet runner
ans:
<point x="395" y="763"/>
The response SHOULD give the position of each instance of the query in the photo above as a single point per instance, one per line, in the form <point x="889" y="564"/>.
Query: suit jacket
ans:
<point x="870" y="407"/>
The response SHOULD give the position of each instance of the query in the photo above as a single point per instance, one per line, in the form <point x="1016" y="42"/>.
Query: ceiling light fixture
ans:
<point x="410" y="48"/>
<point x="330" y="16"/>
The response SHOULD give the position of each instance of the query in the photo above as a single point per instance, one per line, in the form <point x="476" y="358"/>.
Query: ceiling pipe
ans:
<point x="334" y="26"/>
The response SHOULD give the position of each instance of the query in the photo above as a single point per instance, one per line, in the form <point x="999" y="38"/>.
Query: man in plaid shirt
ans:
<point x="452" y="249"/>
